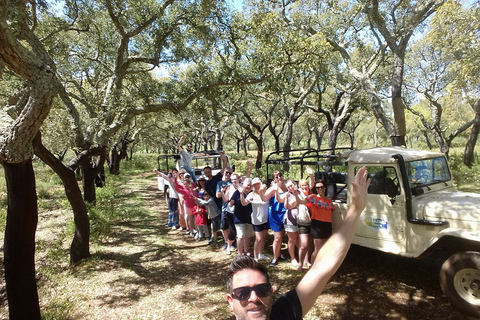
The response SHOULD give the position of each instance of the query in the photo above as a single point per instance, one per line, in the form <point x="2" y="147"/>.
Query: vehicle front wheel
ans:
<point x="460" y="281"/>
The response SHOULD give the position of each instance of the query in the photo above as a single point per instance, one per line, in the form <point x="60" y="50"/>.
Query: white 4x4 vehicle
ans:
<point x="413" y="211"/>
<point x="166" y="162"/>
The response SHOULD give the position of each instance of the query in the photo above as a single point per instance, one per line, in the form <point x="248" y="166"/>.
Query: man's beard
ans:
<point x="264" y="316"/>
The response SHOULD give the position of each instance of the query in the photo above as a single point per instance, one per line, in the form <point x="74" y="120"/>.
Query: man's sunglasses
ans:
<point x="322" y="187"/>
<point x="262" y="290"/>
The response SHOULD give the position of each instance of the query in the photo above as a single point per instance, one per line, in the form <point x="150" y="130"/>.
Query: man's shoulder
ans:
<point x="288" y="306"/>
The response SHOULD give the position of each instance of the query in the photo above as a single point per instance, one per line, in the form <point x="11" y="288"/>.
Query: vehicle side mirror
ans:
<point x="417" y="191"/>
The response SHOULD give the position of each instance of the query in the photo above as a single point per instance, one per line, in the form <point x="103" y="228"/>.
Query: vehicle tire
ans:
<point x="165" y="195"/>
<point x="460" y="281"/>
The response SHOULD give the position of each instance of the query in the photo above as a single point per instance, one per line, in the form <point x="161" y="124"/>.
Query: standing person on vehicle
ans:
<point x="276" y="215"/>
<point x="186" y="157"/>
<point x="249" y="289"/>
<point x="242" y="216"/>
<point x="321" y="209"/>
<point x="260" y="205"/>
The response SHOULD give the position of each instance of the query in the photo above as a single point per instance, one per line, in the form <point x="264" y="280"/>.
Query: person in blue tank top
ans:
<point x="275" y="216"/>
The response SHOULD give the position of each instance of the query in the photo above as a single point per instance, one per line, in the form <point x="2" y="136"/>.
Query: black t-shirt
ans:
<point x="211" y="187"/>
<point x="287" y="307"/>
<point x="242" y="214"/>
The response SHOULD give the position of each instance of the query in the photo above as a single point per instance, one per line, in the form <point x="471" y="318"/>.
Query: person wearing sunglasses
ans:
<point x="250" y="292"/>
<point x="186" y="157"/>
<point x="321" y="209"/>
<point x="222" y="192"/>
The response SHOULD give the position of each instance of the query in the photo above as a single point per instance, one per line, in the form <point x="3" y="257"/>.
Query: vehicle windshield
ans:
<point x="428" y="171"/>
<point x="214" y="161"/>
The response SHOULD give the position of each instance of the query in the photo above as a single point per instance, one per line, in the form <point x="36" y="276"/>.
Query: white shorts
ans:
<point x="290" y="228"/>
<point x="244" y="230"/>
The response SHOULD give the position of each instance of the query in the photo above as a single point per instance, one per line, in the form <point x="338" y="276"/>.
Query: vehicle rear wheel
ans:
<point x="460" y="281"/>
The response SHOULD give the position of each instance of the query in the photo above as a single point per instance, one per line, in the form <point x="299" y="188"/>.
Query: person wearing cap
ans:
<point x="259" y="217"/>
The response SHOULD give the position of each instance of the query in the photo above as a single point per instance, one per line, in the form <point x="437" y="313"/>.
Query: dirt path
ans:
<point x="146" y="271"/>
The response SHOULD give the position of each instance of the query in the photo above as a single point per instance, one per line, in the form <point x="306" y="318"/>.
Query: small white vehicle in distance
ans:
<point x="166" y="162"/>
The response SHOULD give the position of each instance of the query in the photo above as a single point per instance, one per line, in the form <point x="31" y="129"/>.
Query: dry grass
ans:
<point x="146" y="271"/>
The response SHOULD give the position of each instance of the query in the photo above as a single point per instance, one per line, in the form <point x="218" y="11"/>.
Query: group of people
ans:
<point x="243" y="208"/>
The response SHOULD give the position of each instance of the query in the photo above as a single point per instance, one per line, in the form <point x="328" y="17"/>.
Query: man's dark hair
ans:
<point x="207" y="167"/>
<point x="240" y="263"/>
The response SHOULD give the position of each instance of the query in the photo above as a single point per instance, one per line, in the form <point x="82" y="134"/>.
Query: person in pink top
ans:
<point x="189" y="199"/>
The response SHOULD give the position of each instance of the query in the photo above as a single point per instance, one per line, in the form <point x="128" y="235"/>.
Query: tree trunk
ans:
<point x="19" y="248"/>
<point x="245" y="145"/>
<point x="400" y="129"/>
<point x="472" y="138"/>
<point x="88" y="181"/>
<point x="80" y="246"/>
<point x="376" y="105"/>
<point x="114" y="165"/>
<point x="332" y="139"/>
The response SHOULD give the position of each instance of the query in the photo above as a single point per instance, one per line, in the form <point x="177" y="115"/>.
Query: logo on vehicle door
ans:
<point x="375" y="223"/>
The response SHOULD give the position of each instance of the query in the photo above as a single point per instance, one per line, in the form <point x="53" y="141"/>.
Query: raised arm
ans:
<point x="280" y="197"/>
<point x="243" y="200"/>
<point x="226" y="193"/>
<point x="249" y="170"/>
<point x="335" y="249"/>
<point x="164" y="176"/>
<point x="179" y="144"/>
<point x="224" y="161"/>
<point x="297" y="198"/>
<point x="290" y="203"/>
<point x="270" y="192"/>
<point x="311" y="181"/>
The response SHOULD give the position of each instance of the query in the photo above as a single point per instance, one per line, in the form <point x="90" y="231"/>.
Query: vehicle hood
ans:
<point x="449" y="205"/>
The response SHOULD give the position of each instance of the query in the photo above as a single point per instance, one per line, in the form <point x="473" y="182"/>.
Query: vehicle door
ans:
<point x="383" y="223"/>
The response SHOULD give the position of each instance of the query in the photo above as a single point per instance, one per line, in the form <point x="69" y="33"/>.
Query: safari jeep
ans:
<point x="166" y="162"/>
<point x="412" y="210"/>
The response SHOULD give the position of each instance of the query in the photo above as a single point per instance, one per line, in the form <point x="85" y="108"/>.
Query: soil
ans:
<point x="147" y="271"/>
